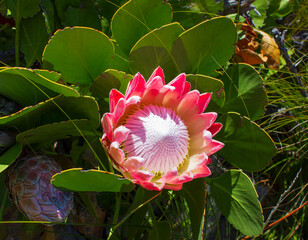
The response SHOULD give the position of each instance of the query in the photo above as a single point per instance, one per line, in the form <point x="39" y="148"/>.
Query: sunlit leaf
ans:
<point x="208" y="84"/>
<point x="206" y="46"/>
<point x="80" y="54"/>
<point x="154" y="49"/>
<point x="237" y="200"/>
<point x="244" y="90"/>
<point x="247" y="146"/>
<point x="136" y="18"/>
<point x="76" y="180"/>
<point x="54" y="110"/>
<point x="26" y="87"/>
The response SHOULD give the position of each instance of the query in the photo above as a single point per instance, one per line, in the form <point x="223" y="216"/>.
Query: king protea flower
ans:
<point x="157" y="135"/>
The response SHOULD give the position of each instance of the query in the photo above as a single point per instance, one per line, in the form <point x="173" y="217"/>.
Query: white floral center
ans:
<point x="159" y="136"/>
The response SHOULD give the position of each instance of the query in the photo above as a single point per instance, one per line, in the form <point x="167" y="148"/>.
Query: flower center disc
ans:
<point x="159" y="136"/>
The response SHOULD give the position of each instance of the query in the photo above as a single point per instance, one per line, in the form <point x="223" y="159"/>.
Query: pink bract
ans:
<point x="157" y="135"/>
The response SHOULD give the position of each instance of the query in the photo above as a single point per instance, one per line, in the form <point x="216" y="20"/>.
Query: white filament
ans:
<point x="159" y="136"/>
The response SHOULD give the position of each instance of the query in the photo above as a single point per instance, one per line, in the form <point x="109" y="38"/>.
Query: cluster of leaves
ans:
<point x="63" y="96"/>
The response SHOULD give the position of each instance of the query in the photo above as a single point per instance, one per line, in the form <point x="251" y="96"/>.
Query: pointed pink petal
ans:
<point x="178" y="83"/>
<point x="197" y="160"/>
<point x="185" y="177"/>
<point x="142" y="175"/>
<point x="215" y="128"/>
<point x="152" y="186"/>
<point x="213" y="147"/>
<point x="201" y="121"/>
<point x="118" y="111"/>
<point x="202" y="171"/>
<point x="116" y="153"/>
<point x="187" y="103"/>
<point x="120" y="134"/>
<point x="150" y="96"/>
<point x="133" y="100"/>
<point x="186" y="88"/>
<point x="204" y="100"/>
<point x="169" y="175"/>
<point x="114" y="97"/>
<point x="156" y="83"/>
<point x="175" y="187"/>
<point x="107" y="125"/>
<point x="158" y="72"/>
<point x="136" y="86"/>
<point x="133" y="163"/>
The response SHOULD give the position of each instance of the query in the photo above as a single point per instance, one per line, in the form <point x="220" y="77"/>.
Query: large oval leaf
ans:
<point x="79" y="53"/>
<point x="79" y="180"/>
<point x="55" y="131"/>
<point x="136" y="18"/>
<point x="237" y="200"/>
<point x="54" y="110"/>
<point x="247" y="146"/>
<point x="154" y="49"/>
<point x="245" y="93"/>
<point x="209" y="84"/>
<point x="206" y="46"/>
<point x="26" y="87"/>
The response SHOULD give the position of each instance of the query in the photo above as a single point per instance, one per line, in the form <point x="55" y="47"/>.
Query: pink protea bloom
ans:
<point x="157" y="135"/>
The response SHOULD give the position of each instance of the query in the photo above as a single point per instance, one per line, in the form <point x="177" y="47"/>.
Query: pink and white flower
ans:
<point x="157" y="135"/>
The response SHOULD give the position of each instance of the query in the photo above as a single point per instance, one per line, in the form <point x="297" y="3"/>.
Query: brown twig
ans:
<point x="290" y="65"/>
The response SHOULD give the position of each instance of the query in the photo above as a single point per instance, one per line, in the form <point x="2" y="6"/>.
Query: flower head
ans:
<point x="157" y="135"/>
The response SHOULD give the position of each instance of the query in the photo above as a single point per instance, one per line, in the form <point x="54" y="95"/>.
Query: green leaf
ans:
<point x="108" y="80"/>
<point x="49" y="15"/>
<point x="54" y="110"/>
<point x="244" y="90"/>
<point x="26" y="87"/>
<point x="78" y="180"/>
<point x="80" y="54"/>
<point x="23" y="8"/>
<point x="154" y="49"/>
<point x="262" y="7"/>
<point x="50" y="75"/>
<point x="208" y="84"/>
<point x="206" y="46"/>
<point x="9" y="156"/>
<point x="194" y="194"/>
<point x="120" y="60"/>
<point x="55" y="131"/>
<point x="247" y="146"/>
<point x="62" y="6"/>
<point x="136" y="18"/>
<point x="86" y="16"/>
<point x="33" y="38"/>
<point x="210" y="6"/>
<point x="161" y="230"/>
<point x="237" y="200"/>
